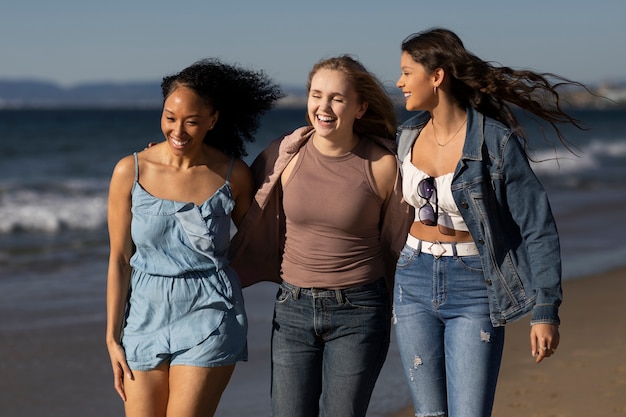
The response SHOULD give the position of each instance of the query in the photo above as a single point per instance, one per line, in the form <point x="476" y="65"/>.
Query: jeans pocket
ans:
<point x="471" y="263"/>
<point x="282" y="295"/>
<point x="406" y="258"/>
<point x="368" y="300"/>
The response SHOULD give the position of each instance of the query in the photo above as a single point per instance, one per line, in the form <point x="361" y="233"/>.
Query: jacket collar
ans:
<point x="475" y="131"/>
<point x="475" y="135"/>
<point x="294" y="141"/>
<point x="417" y="121"/>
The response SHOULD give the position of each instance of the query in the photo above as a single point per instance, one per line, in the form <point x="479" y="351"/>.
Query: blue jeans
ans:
<point x="328" y="347"/>
<point x="450" y="351"/>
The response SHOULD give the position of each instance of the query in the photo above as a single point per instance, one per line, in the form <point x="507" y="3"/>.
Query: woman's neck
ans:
<point x="446" y="120"/>
<point x="335" y="146"/>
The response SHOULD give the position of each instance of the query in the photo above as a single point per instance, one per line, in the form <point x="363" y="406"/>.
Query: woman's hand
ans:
<point x="120" y="368"/>
<point x="544" y="339"/>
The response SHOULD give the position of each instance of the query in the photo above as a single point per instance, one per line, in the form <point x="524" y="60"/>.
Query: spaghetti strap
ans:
<point x="230" y="168"/>
<point x="136" y="167"/>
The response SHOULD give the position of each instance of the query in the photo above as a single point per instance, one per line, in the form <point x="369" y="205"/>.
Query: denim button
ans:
<point x="489" y="282"/>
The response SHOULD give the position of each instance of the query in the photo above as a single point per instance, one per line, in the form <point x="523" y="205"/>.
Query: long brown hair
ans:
<point x="488" y="88"/>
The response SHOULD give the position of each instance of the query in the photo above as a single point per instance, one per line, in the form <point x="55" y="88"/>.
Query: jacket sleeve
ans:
<point x="256" y="248"/>
<point x="397" y="218"/>
<point x="528" y="204"/>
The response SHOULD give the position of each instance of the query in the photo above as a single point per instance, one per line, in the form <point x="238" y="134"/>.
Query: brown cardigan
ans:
<point x="256" y="250"/>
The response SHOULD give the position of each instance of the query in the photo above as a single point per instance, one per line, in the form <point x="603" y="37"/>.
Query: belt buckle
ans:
<point x="437" y="244"/>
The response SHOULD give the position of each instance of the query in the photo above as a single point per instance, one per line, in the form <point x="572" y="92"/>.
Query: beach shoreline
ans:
<point x="587" y="375"/>
<point x="63" y="369"/>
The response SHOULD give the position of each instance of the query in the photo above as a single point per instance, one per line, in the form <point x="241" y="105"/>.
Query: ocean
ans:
<point x="54" y="171"/>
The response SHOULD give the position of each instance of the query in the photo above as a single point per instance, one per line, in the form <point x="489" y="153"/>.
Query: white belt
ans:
<point x="438" y="249"/>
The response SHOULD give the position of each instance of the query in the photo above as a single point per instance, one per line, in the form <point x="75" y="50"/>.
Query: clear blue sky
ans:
<point x="76" y="41"/>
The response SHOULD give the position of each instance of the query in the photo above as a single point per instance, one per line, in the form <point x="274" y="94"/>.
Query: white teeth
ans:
<point x="179" y="142"/>
<point x="325" y="118"/>
<point x="406" y="95"/>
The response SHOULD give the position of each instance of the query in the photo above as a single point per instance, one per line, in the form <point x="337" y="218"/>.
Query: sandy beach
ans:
<point x="63" y="370"/>
<point x="587" y="375"/>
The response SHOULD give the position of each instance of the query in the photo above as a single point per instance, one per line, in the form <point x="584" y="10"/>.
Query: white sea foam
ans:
<point x="590" y="157"/>
<point x="71" y="205"/>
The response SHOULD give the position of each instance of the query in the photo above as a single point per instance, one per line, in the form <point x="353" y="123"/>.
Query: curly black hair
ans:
<point x="240" y="95"/>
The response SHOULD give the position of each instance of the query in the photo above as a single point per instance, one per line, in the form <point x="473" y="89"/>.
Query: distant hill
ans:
<point x="41" y="94"/>
<point x="16" y="94"/>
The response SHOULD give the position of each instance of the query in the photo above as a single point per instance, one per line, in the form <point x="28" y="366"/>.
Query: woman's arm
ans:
<point x="118" y="277"/>
<point x="384" y="170"/>
<point x="243" y="190"/>
<point x="536" y="222"/>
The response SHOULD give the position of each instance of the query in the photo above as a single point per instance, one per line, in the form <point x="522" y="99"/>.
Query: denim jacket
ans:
<point x="507" y="212"/>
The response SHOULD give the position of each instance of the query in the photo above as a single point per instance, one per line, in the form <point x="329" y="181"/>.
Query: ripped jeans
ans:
<point x="450" y="351"/>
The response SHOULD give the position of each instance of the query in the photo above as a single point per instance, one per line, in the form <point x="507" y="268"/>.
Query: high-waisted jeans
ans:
<point x="450" y="351"/>
<point x="328" y="347"/>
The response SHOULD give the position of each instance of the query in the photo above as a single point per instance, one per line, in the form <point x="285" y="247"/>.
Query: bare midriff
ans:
<point x="439" y="233"/>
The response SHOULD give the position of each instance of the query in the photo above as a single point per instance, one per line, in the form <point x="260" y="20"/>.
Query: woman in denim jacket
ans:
<point x="483" y="249"/>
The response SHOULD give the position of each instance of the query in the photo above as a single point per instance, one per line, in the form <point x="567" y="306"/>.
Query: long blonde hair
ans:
<point x="380" y="117"/>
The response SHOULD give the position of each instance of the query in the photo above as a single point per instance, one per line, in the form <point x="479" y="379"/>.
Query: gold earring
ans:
<point x="435" y="90"/>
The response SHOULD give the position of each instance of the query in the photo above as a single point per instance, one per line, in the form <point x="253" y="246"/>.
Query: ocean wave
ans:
<point x="52" y="207"/>
<point x="595" y="158"/>
<point x="55" y="205"/>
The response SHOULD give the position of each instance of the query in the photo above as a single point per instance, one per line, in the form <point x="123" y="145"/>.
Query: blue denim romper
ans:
<point x="183" y="293"/>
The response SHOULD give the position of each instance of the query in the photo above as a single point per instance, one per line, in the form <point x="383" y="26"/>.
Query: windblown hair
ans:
<point x="240" y="95"/>
<point x="488" y="88"/>
<point x="380" y="117"/>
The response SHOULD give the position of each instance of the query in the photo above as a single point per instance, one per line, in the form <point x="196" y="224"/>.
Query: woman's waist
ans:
<point x="184" y="265"/>
<point x="376" y="283"/>
<point x="439" y="233"/>
<point x="438" y="248"/>
<point x="176" y="274"/>
<point x="332" y="276"/>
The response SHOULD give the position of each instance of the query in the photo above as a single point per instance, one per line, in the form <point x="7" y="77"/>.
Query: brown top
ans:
<point x="256" y="251"/>
<point x="333" y="215"/>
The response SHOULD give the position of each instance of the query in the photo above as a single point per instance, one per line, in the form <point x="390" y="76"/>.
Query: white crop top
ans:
<point x="449" y="214"/>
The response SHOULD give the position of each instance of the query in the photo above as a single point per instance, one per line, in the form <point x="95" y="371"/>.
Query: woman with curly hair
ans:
<point x="483" y="248"/>
<point x="176" y="324"/>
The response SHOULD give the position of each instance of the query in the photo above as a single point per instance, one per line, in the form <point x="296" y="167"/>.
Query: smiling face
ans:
<point x="186" y="119"/>
<point x="416" y="84"/>
<point x="333" y="104"/>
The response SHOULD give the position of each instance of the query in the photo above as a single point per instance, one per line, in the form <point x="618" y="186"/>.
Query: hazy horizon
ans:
<point x="69" y="42"/>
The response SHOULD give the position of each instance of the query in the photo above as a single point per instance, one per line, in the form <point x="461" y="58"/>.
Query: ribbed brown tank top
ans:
<point x="333" y="214"/>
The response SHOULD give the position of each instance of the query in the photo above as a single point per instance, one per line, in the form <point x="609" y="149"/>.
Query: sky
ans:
<point x="70" y="42"/>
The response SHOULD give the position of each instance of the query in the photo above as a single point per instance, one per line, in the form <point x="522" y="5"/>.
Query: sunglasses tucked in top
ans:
<point x="427" y="190"/>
